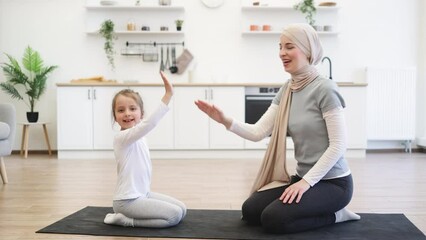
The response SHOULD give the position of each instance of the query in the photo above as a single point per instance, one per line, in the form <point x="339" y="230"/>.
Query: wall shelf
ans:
<point x="141" y="32"/>
<point x="136" y="8"/>
<point x="123" y="12"/>
<point x="259" y="33"/>
<point x="286" y="8"/>
<point x="273" y="16"/>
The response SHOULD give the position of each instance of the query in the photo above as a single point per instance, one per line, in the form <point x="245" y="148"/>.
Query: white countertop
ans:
<point x="113" y="84"/>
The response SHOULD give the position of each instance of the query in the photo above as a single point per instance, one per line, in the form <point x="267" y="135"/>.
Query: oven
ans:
<point x="257" y="101"/>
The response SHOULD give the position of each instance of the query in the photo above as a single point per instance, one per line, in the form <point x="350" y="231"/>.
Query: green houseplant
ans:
<point x="31" y="80"/>
<point x="307" y="7"/>
<point x="179" y="24"/>
<point x="107" y="31"/>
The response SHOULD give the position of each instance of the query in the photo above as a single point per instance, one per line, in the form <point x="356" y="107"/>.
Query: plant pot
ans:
<point x="32" y="117"/>
<point x="178" y="28"/>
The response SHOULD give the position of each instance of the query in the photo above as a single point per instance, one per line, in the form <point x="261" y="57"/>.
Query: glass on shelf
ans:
<point x="131" y="25"/>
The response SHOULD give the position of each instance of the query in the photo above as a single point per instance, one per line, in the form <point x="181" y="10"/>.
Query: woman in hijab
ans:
<point x="310" y="108"/>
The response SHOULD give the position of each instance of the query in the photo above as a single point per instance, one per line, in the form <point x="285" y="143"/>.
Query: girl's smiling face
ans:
<point x="127" y="112"/>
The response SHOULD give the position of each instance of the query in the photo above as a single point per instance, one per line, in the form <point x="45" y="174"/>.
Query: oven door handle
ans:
<point x="260" y="98"/>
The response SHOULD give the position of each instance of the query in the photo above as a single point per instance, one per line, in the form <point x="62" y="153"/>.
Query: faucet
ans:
<point x="329" y="61"/>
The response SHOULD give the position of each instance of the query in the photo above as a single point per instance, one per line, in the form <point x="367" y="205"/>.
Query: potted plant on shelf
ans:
<point x="179" y="24"/>
<point x="307" y="7"/>
<point x="107" y="31"/>
<point x="32" y="81"/>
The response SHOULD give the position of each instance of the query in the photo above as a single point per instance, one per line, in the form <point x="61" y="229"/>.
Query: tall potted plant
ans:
<point x="30" y="81"/>
<point x="307" y="7"/>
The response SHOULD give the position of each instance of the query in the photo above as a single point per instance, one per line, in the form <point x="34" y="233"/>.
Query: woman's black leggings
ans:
<point x="315" y="209"/>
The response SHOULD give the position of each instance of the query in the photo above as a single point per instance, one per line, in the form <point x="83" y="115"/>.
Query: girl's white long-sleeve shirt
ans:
<point x="131" y="152"/>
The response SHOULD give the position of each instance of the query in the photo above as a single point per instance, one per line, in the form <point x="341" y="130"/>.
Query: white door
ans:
<point x="231" y="101"/>
<point x="191" y="125"/>
<point x="103" y="127"/>
<point x="75" y="125"/>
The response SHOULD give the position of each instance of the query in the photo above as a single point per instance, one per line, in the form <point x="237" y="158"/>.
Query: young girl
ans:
<point x="134" y="204"/>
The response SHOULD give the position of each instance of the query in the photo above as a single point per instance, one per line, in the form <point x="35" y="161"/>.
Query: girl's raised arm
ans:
<point x="168" y="87"/>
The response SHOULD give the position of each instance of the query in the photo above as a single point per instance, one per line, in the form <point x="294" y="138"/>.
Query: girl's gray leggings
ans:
<point x="155" y="211"/>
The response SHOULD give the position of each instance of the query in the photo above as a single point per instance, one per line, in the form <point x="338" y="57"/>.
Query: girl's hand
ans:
<point x="168" y="87"/>
<point x="295" y="190"/>
<point x="214" y="113"/>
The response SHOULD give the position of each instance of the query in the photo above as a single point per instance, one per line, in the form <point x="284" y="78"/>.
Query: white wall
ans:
<point x="421" y="96"/>
<point x="378" y="33"/>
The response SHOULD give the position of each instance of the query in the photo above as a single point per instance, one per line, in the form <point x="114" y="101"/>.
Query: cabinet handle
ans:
<point x="88" y="94"/>
<point x="211" y="94"/>
<point x="94" y="94"/>
<point x="205" y="94"/>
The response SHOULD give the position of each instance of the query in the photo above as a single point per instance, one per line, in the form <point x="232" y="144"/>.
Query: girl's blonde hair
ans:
<point x="127" y="93"/>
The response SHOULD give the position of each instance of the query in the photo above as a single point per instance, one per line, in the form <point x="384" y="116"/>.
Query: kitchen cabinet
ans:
<point x="355" y="116"/>
<point x="194" y="129"/>
<point x="86" y="130"/>
<point x="146" y="14"/>
<point x="183" y="127"/>
<point x="161" y="137"/>
<point x="84" y="118"/>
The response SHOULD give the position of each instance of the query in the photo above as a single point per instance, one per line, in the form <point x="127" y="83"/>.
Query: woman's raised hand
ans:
<point x="168" y="87"/>
<point x="214" y="113"/>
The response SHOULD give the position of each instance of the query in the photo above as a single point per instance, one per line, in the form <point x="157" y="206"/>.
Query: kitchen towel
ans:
<point x="227" y="224"/>
<point x="183" y="61"/>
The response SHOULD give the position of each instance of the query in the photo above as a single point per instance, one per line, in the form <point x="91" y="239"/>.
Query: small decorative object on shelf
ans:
<point x="307" y="7"/>
<point x="318" y="28"/>
<point x="254" y="28"/>
<point x="138" y="3"/>
<point x="131" y="25"/>
<point x="108" y="2"/>
<point x="164" y="2"/>
<point x="33" y="80"/>
<point x="179" y="24"/>
<point x="256" y="3"/>
<point x="328" y="28"/>
<point x="266" y="27"/>
<point x="327" y="4"/>
<point x="107" y="31"/>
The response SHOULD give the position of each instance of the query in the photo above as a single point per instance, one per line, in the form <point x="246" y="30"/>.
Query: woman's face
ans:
<point x="292" y="57"/>
<point x="127" y="112"/>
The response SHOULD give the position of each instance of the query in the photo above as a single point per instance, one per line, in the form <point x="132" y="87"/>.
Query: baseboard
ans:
<point x="184" y="154"/>
<point x="394" y="150"/>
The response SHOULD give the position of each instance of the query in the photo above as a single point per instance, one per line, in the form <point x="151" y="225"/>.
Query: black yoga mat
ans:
<point x="226" y="224"/>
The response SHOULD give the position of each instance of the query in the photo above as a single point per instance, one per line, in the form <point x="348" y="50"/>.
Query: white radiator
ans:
<point x="391" y="103"/>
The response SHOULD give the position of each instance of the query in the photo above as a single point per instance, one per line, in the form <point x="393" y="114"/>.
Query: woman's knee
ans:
<point x="250" y="212"/>
<point x="275" y="221"/>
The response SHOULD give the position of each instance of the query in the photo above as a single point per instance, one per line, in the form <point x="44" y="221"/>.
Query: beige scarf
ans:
<point x="273" y="172"/>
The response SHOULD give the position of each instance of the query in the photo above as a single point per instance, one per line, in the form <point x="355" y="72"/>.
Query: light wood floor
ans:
<point x="43" y="189"/>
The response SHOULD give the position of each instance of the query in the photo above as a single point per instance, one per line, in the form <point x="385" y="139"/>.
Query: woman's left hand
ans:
<point x="295" y="191"/>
